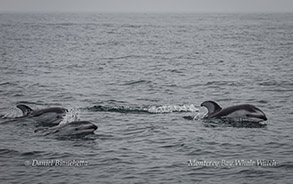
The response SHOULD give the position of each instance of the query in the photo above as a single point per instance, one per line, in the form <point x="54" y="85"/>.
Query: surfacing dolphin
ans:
<point x="71" y="129"/>
<point x="244" y="112"/>
<point x="47" y="117"/>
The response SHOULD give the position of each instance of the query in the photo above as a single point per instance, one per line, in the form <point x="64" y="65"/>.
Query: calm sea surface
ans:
<point x="136" y="76"/>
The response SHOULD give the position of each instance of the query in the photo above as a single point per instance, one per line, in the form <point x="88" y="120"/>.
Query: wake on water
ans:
<point x="70" y="116"/>
<point x="146" y="109"/>
<point x="12" y="113"/>
<point x="172" y="108"/>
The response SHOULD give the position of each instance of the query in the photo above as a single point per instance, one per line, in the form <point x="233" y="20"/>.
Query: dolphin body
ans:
<point x="46" y="117"/>
<point x="71" y="129"/>
<point x="244" y="112"/>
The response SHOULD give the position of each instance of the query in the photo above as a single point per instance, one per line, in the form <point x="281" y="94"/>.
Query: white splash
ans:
<point x="202" y="111"/>
<point x="12" y="113"/>
<point x="72" y="115"/>
<point x="173" y="108"/>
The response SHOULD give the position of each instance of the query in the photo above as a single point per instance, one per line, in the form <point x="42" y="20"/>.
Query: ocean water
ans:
<point x="136" y="76"/>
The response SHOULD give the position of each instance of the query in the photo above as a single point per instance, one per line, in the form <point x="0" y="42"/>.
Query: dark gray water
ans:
<point x="136" y="76"/>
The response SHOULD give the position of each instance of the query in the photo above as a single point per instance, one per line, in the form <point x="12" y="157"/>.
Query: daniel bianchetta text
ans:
<point x="232" y="163"/>
<point x="56" y="163"/>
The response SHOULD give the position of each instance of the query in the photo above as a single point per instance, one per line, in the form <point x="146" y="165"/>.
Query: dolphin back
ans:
<point x="26" y="110"/>
<point x="212" y="107"/>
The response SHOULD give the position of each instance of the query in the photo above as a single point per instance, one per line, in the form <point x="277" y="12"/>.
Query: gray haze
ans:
<point x="146" y="5"/>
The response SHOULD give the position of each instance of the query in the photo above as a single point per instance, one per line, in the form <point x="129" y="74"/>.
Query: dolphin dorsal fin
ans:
<point x="212" y="107"/>
<point x="25" y="109"/>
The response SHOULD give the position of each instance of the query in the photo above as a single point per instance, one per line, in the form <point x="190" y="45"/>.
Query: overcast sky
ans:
<point x="146" y="5"/>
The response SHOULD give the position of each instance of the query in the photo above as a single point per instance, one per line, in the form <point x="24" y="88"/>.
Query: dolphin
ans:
<point x="71" y="129"/>
<point x="48" y="117"/>
<point x="244" y="112"/>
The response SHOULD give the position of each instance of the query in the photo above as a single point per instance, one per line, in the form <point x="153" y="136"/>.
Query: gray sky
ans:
<point x="147" y="5"/>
